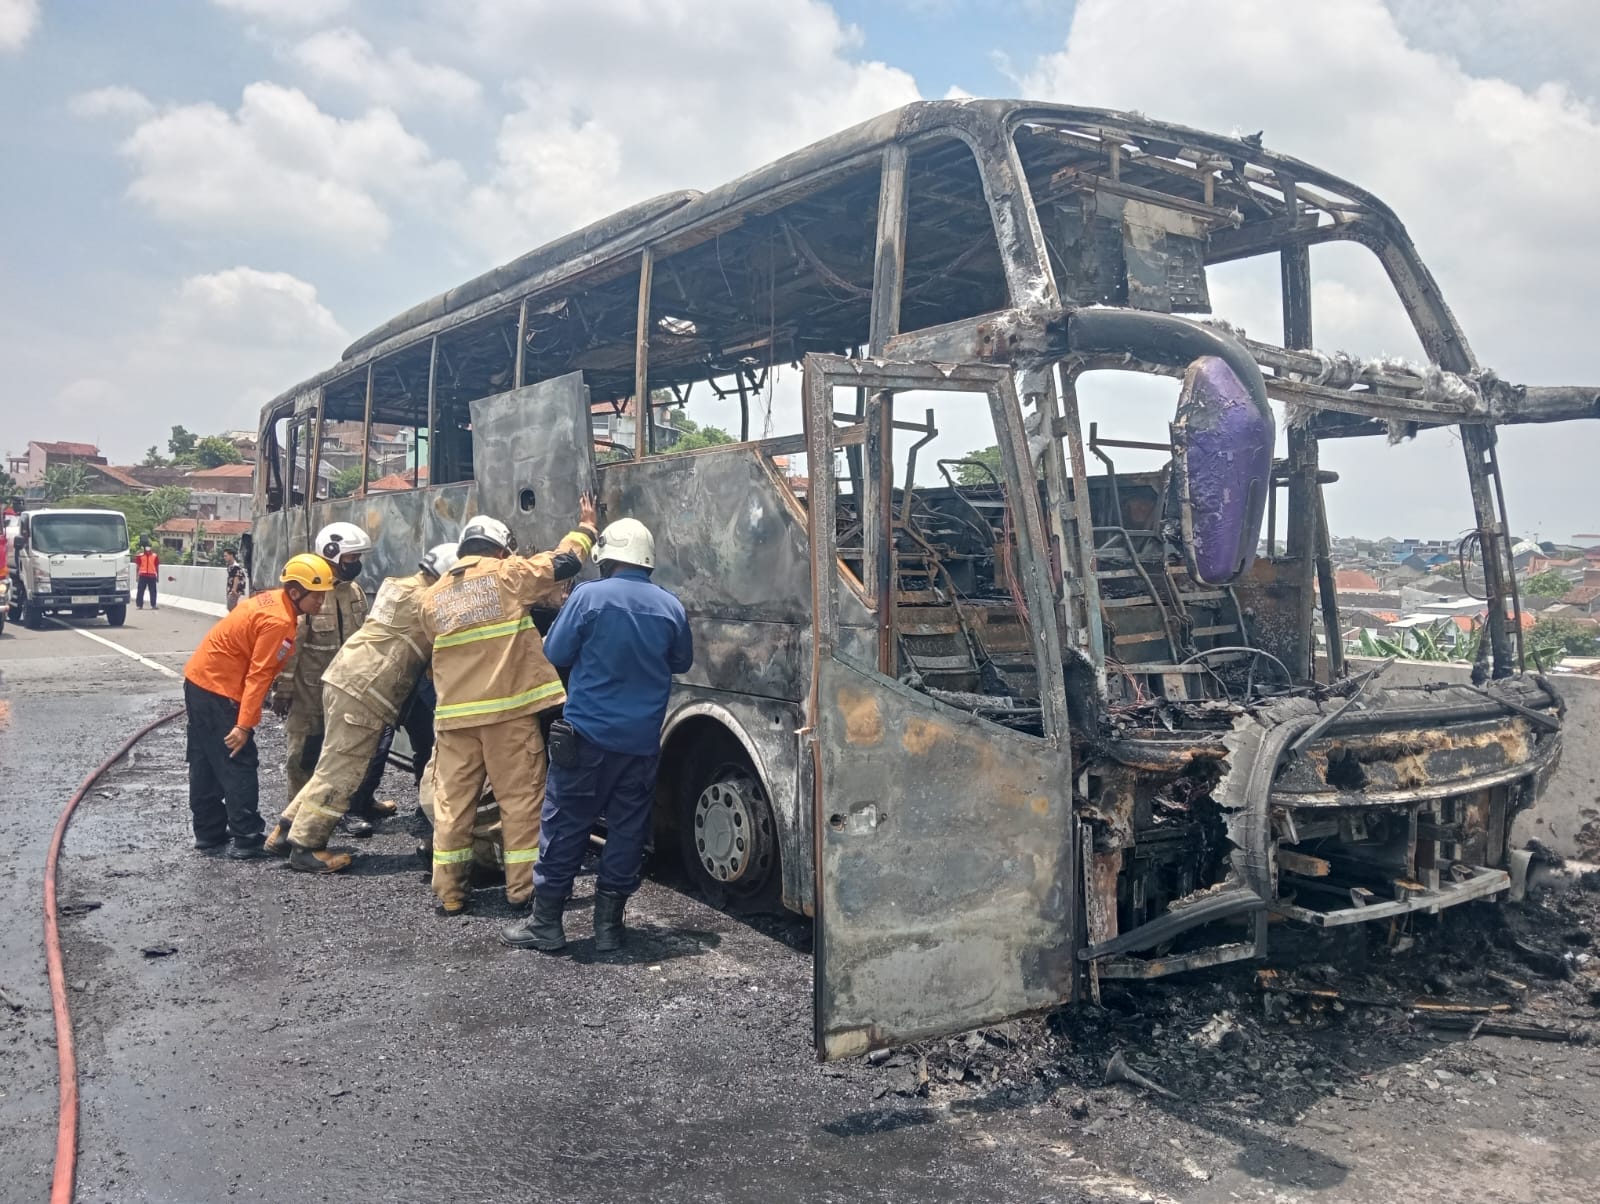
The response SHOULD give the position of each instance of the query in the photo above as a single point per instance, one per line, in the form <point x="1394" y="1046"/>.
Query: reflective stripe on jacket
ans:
<point x="488" y="660"/>
<point x="344" y="610"/>
<point x="379" y="664"/>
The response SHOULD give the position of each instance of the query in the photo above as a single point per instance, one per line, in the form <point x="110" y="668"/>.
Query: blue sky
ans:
<point x="210" y="198"/>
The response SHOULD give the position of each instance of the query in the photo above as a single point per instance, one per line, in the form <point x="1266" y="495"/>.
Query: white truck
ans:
<point x="70" y="562"/>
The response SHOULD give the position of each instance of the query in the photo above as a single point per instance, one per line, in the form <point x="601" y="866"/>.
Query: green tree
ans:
<point x="8" y="487"/>
<point x="1553" y="638"/>
<point x="971" y="474"/>
<point x="1450" y="570"/>
<point x="345" y="482"/>
<point x="692" y="435"/>
<point x="181" y="444"/>
<point x="64" y="480"/>
<point x="1548" y="584"/>
<point x="214" y="450"/>
<point x="153" y="458"/>
<point x="164" y="503"/>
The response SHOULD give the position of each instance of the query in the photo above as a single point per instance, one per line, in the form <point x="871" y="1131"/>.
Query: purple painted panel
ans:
<point x="1222" y="442"/>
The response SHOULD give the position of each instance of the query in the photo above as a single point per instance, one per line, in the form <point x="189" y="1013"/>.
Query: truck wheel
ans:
<point x="32" y="616"/>
<point x="116" y="616"/>
<point x="726" y="830"/>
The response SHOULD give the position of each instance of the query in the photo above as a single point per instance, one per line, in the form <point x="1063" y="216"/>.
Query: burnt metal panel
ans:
<point x="403" y="525"/>
<point x="533" y="456"/>
<point x="945" y="872"/>
<point x="946" y="893"/>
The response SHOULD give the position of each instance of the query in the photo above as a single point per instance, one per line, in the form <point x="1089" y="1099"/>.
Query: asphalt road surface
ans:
<point x="247" y="1033"/>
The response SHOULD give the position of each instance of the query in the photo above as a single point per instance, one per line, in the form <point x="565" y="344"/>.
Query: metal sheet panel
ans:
<point x="945" y="868"/>
<point x="533" y="456"/>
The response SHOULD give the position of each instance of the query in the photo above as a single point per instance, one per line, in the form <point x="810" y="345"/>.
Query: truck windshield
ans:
<point x="84" y="534"/>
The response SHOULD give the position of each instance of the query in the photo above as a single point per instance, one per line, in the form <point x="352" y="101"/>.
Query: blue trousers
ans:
<point x="617" y="786"/>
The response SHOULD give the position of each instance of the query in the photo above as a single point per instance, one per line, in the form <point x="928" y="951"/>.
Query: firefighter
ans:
<point x="621" y="639"/>
<point x="493" y="680"/>
<point x="298" y="692"/>
<point x="366" y="684"/>
<point x="224" y="685"/>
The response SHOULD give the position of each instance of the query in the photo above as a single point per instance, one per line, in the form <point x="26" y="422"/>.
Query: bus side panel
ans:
<point x="403" y="526"/>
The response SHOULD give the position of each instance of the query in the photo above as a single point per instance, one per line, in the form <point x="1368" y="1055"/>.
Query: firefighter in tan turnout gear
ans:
<point x="298" y="691"/>
<point x="492" y="680"/>
<point x="363" y="690"/>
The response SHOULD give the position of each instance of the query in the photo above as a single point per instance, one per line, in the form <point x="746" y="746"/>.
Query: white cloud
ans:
<point x="396" y="79"/>
<point x="1494" y="181"/>
<point x="115" y="101"/>
<point x="18" y="20"/>
<point x="219" y="346"/>
<point x="286" y="12"/>
<point x="1524" y="40"/>
<point x="635" y="99"/>
<point x="280" y="165"/>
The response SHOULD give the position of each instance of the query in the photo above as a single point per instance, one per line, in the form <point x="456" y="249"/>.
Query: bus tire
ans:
<point x="727" y="831"/>
<point x="116" y="616"/>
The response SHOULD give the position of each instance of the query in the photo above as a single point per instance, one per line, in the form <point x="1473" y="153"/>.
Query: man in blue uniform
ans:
<point x="622" y="638"/>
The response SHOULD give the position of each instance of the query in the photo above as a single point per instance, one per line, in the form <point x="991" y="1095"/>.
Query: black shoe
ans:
<point x="356" y="825"/>
<point x="205" y="846"/>
<point x="608" y="929"/>
<point x="440" y="910"/>
<point x="246" y="852"/>
<point x="541" y="931"/>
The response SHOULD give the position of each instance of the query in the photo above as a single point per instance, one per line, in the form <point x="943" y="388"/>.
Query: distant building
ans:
<point x="207" y="537"/>
<point x="225" y="478"/>
<point x="111" y="479"/>
<point x="29" y="468"/>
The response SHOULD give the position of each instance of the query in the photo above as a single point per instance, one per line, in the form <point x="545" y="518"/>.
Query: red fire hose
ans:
<point x="67" y="1119"/>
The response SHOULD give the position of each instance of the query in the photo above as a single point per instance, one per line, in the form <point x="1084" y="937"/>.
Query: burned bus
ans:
<point x="1006" y="727"/>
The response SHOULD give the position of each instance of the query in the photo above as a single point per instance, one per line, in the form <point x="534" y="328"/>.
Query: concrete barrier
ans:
<point x="1566" y="817"/>
<point x="199" y="588"/>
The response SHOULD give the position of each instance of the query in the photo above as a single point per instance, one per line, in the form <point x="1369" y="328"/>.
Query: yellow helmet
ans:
<point x="309" y="571"/>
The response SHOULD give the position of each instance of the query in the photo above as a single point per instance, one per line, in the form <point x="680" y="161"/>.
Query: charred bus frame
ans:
<point x="1175" y="772"/>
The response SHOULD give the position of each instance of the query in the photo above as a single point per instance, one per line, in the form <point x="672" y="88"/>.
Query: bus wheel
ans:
<point x="729" y="837"/>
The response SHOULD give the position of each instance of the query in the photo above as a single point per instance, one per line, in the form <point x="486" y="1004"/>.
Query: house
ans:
<point x="214" y="503"/>
<point x="156" y="477"/>
<point x="1354" y="581"/>
<point x="182" y="535"/>
<point x="1582" y="600"/>
<point x="396" y="482"/>
<point x="224" y="478"/>
<point x="29" y="469"/>
<point x="111" y="479"/>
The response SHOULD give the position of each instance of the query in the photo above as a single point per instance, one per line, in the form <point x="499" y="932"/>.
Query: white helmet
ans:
<point x="438" y="560"/>
<point x="627" y="541"/>
<point x="481" y="526"/>
<point x="339" y="539"/>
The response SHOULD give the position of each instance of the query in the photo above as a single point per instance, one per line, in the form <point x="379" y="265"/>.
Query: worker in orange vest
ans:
<point x="148" y="565"/>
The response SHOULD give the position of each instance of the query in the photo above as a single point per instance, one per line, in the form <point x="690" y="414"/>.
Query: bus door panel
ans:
<point x="533" y="458"/>
<point x="944" y="841"/>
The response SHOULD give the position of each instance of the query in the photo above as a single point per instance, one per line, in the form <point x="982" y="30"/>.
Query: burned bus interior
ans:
<point x="1226" y="772"/>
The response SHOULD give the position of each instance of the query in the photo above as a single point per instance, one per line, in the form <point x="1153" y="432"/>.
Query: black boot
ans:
<point x="542" y="930"/>
<point x="356" y="824"/>
<point x="608" y="930"/>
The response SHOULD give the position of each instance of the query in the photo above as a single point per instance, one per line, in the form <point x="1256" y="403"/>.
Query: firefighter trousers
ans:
<point x="348" y="743"/>
<point x="511" y="755"/>
<point x="304" y="732"/>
